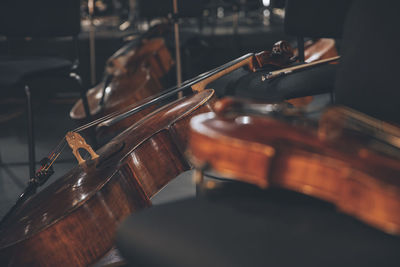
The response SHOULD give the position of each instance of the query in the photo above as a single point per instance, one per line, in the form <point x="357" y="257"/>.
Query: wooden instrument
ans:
<point x="134" y="72"/>
<point x="357" y="172"/>
<point x="72" y="221"/>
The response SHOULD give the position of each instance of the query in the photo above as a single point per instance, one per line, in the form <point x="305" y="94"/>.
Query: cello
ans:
<point x="350" y="160"/>
<point x="72" y="221"/>
<point x="136" y="71"/>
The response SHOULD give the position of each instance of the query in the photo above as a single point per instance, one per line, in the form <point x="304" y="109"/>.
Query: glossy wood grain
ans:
<point x="72" y="221"/>
<point x="346" y="172"/>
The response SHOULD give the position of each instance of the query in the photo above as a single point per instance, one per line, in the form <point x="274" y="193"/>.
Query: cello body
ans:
<point x="72" y="221"/>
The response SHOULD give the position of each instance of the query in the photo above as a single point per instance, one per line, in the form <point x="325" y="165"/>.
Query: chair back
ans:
<point x="315" y="18"/>
<point x="368" y="74"/>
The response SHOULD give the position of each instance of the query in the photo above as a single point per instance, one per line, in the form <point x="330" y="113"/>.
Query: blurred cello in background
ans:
<point x="138" y="70"/>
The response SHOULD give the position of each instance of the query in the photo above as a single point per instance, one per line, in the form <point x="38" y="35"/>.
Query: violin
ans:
<point x="350" y="159"/>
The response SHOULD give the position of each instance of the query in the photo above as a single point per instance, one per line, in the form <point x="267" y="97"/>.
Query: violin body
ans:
<point x="72" y="221"/>
<point x="270" y="153"/>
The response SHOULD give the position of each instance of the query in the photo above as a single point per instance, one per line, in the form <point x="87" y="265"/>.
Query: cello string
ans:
<point x="153" y="99"/>
<point x="145" y="103"/>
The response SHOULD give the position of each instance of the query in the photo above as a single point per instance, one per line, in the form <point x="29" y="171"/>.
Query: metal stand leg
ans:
<point x="82" y="91"/>
<point x="198" y="179"/>
<point x="31" y="138"/>
<point x="85" y="102"/>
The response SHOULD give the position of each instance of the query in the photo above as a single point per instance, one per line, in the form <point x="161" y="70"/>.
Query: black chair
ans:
<point x="44" y="19"/>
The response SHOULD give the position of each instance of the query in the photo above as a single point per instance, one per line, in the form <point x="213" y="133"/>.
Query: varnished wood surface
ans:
<point x="136" y="76"/>
<point x="322" y="49"/>
<point x="72" y="221"/>
<point x="358" y="180"/>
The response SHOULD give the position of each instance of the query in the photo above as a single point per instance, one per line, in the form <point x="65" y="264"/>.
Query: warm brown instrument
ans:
<point x="359" y="173"/>
<point x="134" y="72"/>
<point x="72" y="221"/>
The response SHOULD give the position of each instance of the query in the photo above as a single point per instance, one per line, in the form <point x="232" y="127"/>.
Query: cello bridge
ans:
<point x="75" y="142"/>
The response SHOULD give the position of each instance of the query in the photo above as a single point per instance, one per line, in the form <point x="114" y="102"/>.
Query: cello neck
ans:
<point x="201" y="85"/>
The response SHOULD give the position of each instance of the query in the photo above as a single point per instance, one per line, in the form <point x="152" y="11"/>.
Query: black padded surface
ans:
<point x="312" y="81"/>
<point x="367" y="79"/>
<point x="315" y="18"/>
<point x="15" y="70"/>
<point x="246" y="226"/>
